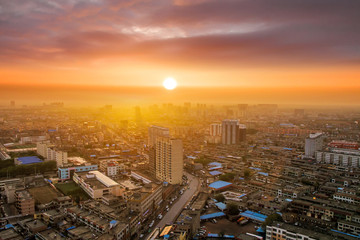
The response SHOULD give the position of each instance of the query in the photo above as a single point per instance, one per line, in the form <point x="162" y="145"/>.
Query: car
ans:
<point x="141" y="236"/>
<point x="151" y="224"/>
<point x="160" y="216"/>
<point x="167" y="209"/>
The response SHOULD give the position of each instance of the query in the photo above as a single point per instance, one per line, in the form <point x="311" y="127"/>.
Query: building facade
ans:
<point x="169" y="160"/>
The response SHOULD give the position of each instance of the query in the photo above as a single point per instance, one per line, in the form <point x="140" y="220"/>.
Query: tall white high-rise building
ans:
<point x="313" y="143"/>
<point x="230" y="131"/>
<point x="41" y="148"/>
<point x="169" y="160"/>
<point x="155" y="132"/>
<point x="215" y="129"/>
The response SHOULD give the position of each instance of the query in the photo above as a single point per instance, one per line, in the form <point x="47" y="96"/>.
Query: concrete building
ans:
<point x="111" y="167"/>
<point x="65" y="173"/>
<point x="24" y="202"/>
<point x="280" y="231"/>
<point x="215" y="129"/>
<point x="147" y="199"/>
<point x="232" y="132"/>
<point x="41" y="148"/>
<point x="59" y="156"/>
<point x="339" y="157"/>
<point x="153" y="133"/>
<point x="96" y="184"/>
<point x="313" y="143"/>
<point x="169" y="160"/>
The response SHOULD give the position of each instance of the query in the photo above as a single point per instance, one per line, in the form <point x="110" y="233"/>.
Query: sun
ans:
<point x="170" y="83"/>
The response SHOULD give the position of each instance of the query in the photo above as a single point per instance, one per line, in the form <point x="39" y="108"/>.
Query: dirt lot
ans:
<point x="44" y="194"/>
<point x="228" y="227"/>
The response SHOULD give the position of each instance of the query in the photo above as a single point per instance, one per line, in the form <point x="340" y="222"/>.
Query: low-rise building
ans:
<point x="24" y="202"/>
<point x="66" y="173"/>
<point x="96" y="184"/>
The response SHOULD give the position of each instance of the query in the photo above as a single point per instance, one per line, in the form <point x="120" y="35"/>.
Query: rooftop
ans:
<point x="219" y="184"/>
<point x="29" y="160"/>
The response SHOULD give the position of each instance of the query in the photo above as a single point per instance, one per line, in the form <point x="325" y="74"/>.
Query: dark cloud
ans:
<point x="276" y="32"/>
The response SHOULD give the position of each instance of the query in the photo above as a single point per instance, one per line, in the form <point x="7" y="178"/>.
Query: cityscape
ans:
<point x="179" y="120"/>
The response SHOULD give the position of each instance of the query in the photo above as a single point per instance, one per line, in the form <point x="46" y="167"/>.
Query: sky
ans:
<point x="311" y="44"/>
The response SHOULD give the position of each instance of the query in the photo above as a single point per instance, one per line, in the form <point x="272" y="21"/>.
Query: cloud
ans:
<point x="229" y="32"/>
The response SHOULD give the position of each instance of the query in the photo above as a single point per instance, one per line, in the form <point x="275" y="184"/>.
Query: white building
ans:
<point x="155" y="132"/>
<point x="55" y="155"/>
<point x="215" y="129"/>
<point x="232" y="132"/>
<point x="96" y="184"/>
<point x="280" y="231"/>
<point x="169" y="160"/>
<point x="41" y="148"/>
<point x="313" y="143"/>
<point x="339" y="157"/>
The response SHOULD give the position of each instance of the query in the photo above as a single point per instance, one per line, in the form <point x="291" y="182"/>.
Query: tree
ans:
<point x="227" y="177"/>
<point x="232" y="208"/>
<point x="272" y="218"/>
<point x="220" y="198"/>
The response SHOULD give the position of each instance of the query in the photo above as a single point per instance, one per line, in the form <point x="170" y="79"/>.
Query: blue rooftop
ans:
<point x="221" y="206"/>
<point x="29" y="160"/>
<point x="217" y="164"/>
<point x="215" y="173"/>
<point x="214" y="168"/>
<point x="212" y="215"/>
<point x="263" y="173"/>
<point x="253" y="215"/>
<point x="219" y="184"/>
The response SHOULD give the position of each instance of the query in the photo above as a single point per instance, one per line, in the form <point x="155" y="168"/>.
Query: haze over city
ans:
<point x="179" y="119"/>
<point x="282" y="49"/>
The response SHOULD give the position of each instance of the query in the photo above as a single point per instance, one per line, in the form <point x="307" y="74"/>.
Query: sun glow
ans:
<point x="170" y="83"/>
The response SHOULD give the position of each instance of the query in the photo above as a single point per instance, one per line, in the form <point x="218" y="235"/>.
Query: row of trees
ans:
<point x="17" y="170"/>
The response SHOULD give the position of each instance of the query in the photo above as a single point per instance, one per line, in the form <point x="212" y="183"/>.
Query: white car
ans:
<point x="151" y="224"/>
<point x="160" y="216"/>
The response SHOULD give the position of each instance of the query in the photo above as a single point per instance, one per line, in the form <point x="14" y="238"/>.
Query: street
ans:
<point x="175" y="209"/>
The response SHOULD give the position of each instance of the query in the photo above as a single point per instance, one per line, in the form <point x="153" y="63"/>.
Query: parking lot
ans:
<point x="228" y="227"/>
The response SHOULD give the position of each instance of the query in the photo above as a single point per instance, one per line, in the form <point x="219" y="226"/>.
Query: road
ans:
<point x="176" y="208"/>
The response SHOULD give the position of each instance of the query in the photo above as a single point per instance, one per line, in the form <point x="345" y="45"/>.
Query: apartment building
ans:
<point x="24" y="202"/>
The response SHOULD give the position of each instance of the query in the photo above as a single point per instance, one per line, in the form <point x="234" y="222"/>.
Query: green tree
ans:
<point x="272" y="218"/>
<point x="227" y="177"/>
<point x="232" y="208"/>
<point x="220" y="198"/>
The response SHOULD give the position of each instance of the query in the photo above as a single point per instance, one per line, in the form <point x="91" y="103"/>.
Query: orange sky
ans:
<point x="202" y="43"/>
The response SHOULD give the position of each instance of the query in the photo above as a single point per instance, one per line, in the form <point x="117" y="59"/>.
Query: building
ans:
<point x="111" y="167"/>
<point x="344" y="144"/>
<point x="298" y="112"/>
<point x="46" y="150"/>
<point x="56" y="155"/>
<point x="24" y="202"/>
<point x="280" y="231"/>
<point x="27" y="160"/>
<point x="147" y="199"/>
<point x="169" y="160"/>
<point x="232" y="132"/>
<point x="41" y="148"/>
<point x="96" y="184"/>
<point x="215" y="129"/>
<point x="313" y="143"/>
<point x="65" y="173"/>
<point x="339" y="157"/>
<point x="153" y="133"/>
